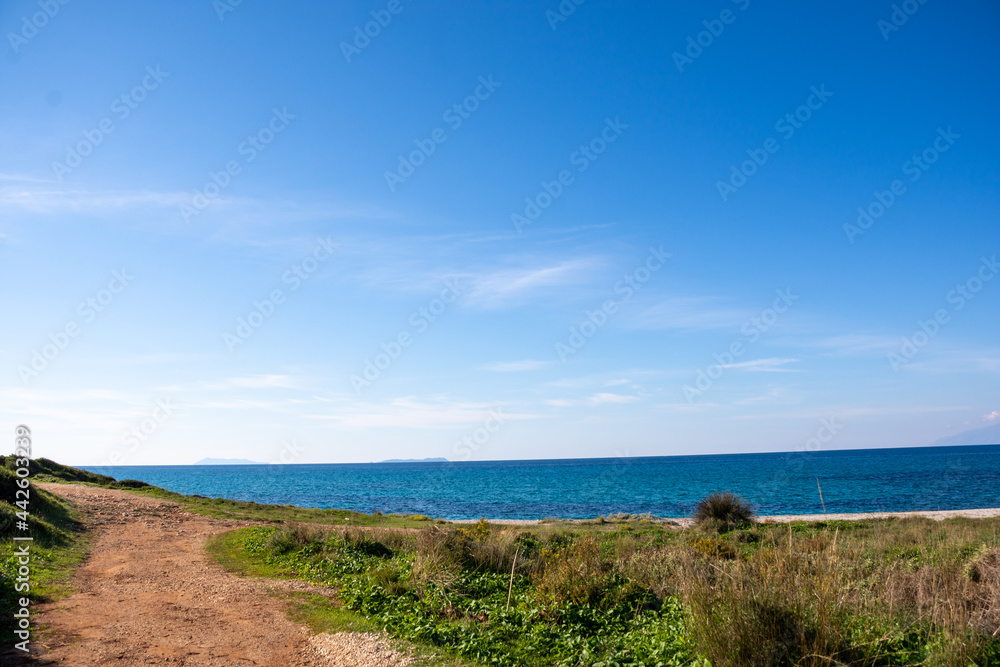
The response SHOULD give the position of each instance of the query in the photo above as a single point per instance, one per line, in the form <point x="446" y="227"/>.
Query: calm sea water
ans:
<point x="925" y="478"/>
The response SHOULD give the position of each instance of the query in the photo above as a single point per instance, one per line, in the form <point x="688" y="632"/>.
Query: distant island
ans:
<point x="227" y="462"/>
<point x="989" y="435"/>
<point x="434" y="460"/>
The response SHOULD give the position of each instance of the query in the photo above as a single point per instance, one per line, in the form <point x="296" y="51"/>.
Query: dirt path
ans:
<point x="149" y="595"/>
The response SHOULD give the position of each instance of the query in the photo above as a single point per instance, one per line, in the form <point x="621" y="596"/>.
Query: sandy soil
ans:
<point x="150" y="595"/>
<point x="937" y="515"/>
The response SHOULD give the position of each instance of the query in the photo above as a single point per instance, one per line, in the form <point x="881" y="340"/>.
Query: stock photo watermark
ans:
<point x="795" y="461"/>
<point x="420" y="320"/>
<point x="562" y="12"/>
<point x="266" y="307"/>
<point x="696" y="44"/>
<point x="223" y="7"/>
<point x="595" y="320"/>
<point x="927" y="329"/>
<point x="88" y="310"/>
<point x="454" y="116"/>
<point x="31" y="25"/>
<point x="472" y="442"/>
<point x="291" y="451"/>
<point x="22" y="537"/>
<point x="786" y="126"/>
<point x="363" y="35"/>
<point x="581" y="158"/>
<point x="900" y="14"/>
<point x="122" y="108"/>
<point x="465" y="449"/>
<point x="752" y="330"/>
<point x="914" y="168"/>
<point x="141" y="432"/>
<point x="248" y="149"/>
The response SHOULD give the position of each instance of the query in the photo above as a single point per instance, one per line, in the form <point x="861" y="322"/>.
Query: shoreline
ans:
<point x="936" y="515"/>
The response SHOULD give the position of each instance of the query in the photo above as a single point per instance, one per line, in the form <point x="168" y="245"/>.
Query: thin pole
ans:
<point x="821" y="495"/>
<point x="510" y="588"/>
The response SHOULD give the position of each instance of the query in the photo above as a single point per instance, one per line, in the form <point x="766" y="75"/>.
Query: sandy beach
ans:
<point x="937" y="515"/>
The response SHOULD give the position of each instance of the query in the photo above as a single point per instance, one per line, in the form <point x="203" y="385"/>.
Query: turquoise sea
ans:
<point x="923" y="478"/>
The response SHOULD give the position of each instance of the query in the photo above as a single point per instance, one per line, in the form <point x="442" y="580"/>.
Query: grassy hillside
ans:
<point x="59" y="543"/>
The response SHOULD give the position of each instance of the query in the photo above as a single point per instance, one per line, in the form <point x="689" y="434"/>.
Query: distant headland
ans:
<point x="434" y="460"/>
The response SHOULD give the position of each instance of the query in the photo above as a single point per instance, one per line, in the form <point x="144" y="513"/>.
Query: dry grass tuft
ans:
<point x="723" y="511"/>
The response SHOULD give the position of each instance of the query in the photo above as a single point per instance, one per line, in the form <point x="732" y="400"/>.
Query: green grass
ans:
<point x="319" y="612"/>
<point x="461" y="612"/>
<point x="322" y="615"/>
<point x="874" y="592"/>
<point x="229" y="550"/>
<point x="59" y="546"/>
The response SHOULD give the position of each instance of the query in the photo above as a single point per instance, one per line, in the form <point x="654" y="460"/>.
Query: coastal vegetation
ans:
<point x="733" y="590"/>
<point x="58" y="540"/>
<point x="871" y="592"/>
<point x="723" y="511"/>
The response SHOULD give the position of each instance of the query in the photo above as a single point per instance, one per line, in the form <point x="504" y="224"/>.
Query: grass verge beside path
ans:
<point x="322" y="613"/>
<point x="872" y="592"/>
<point x="59" y="544"/>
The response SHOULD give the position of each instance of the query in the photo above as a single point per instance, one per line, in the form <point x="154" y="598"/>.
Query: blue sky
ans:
<point x="626" y="229"/>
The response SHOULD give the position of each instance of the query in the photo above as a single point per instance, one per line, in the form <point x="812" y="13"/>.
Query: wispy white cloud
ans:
<point x="604" y="398"/>
<point x="54" y="199"/>
<point x="687" y="407"/>
<point x="851" y="344"/>
<point x="46" y="198"/>
<point x="942" y="361"/>
<point x="770" y="396"/>
<point x="515" y="366"/>
<point x="20" y="178"/>
<point x="76" y="410"/>
<point x="861" y="411"/>
<point x="600" y="398"/>
<point x="894" y="410"/>
<point x="615" y="378"/>
<point x="410" y="412"/>
<point x="259" y="382"/>
<point x="494" y="288"/>
<point x="689" y="313"/>
<point x="239" y="382"/>
<point x="992" y="417"/>
<point x="770" y="365"/>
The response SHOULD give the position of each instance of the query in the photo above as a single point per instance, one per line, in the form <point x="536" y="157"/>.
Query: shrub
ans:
<point x="130" y="484"/>
<point x="575" y="574"/>
<point x="364" y="542"/>
<point x="443" y="552"/>
<point x="714" y="547"/>
<point x="985" y="562"/>
<point x="291" y="538"/>
<point x="723" y="511"/>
